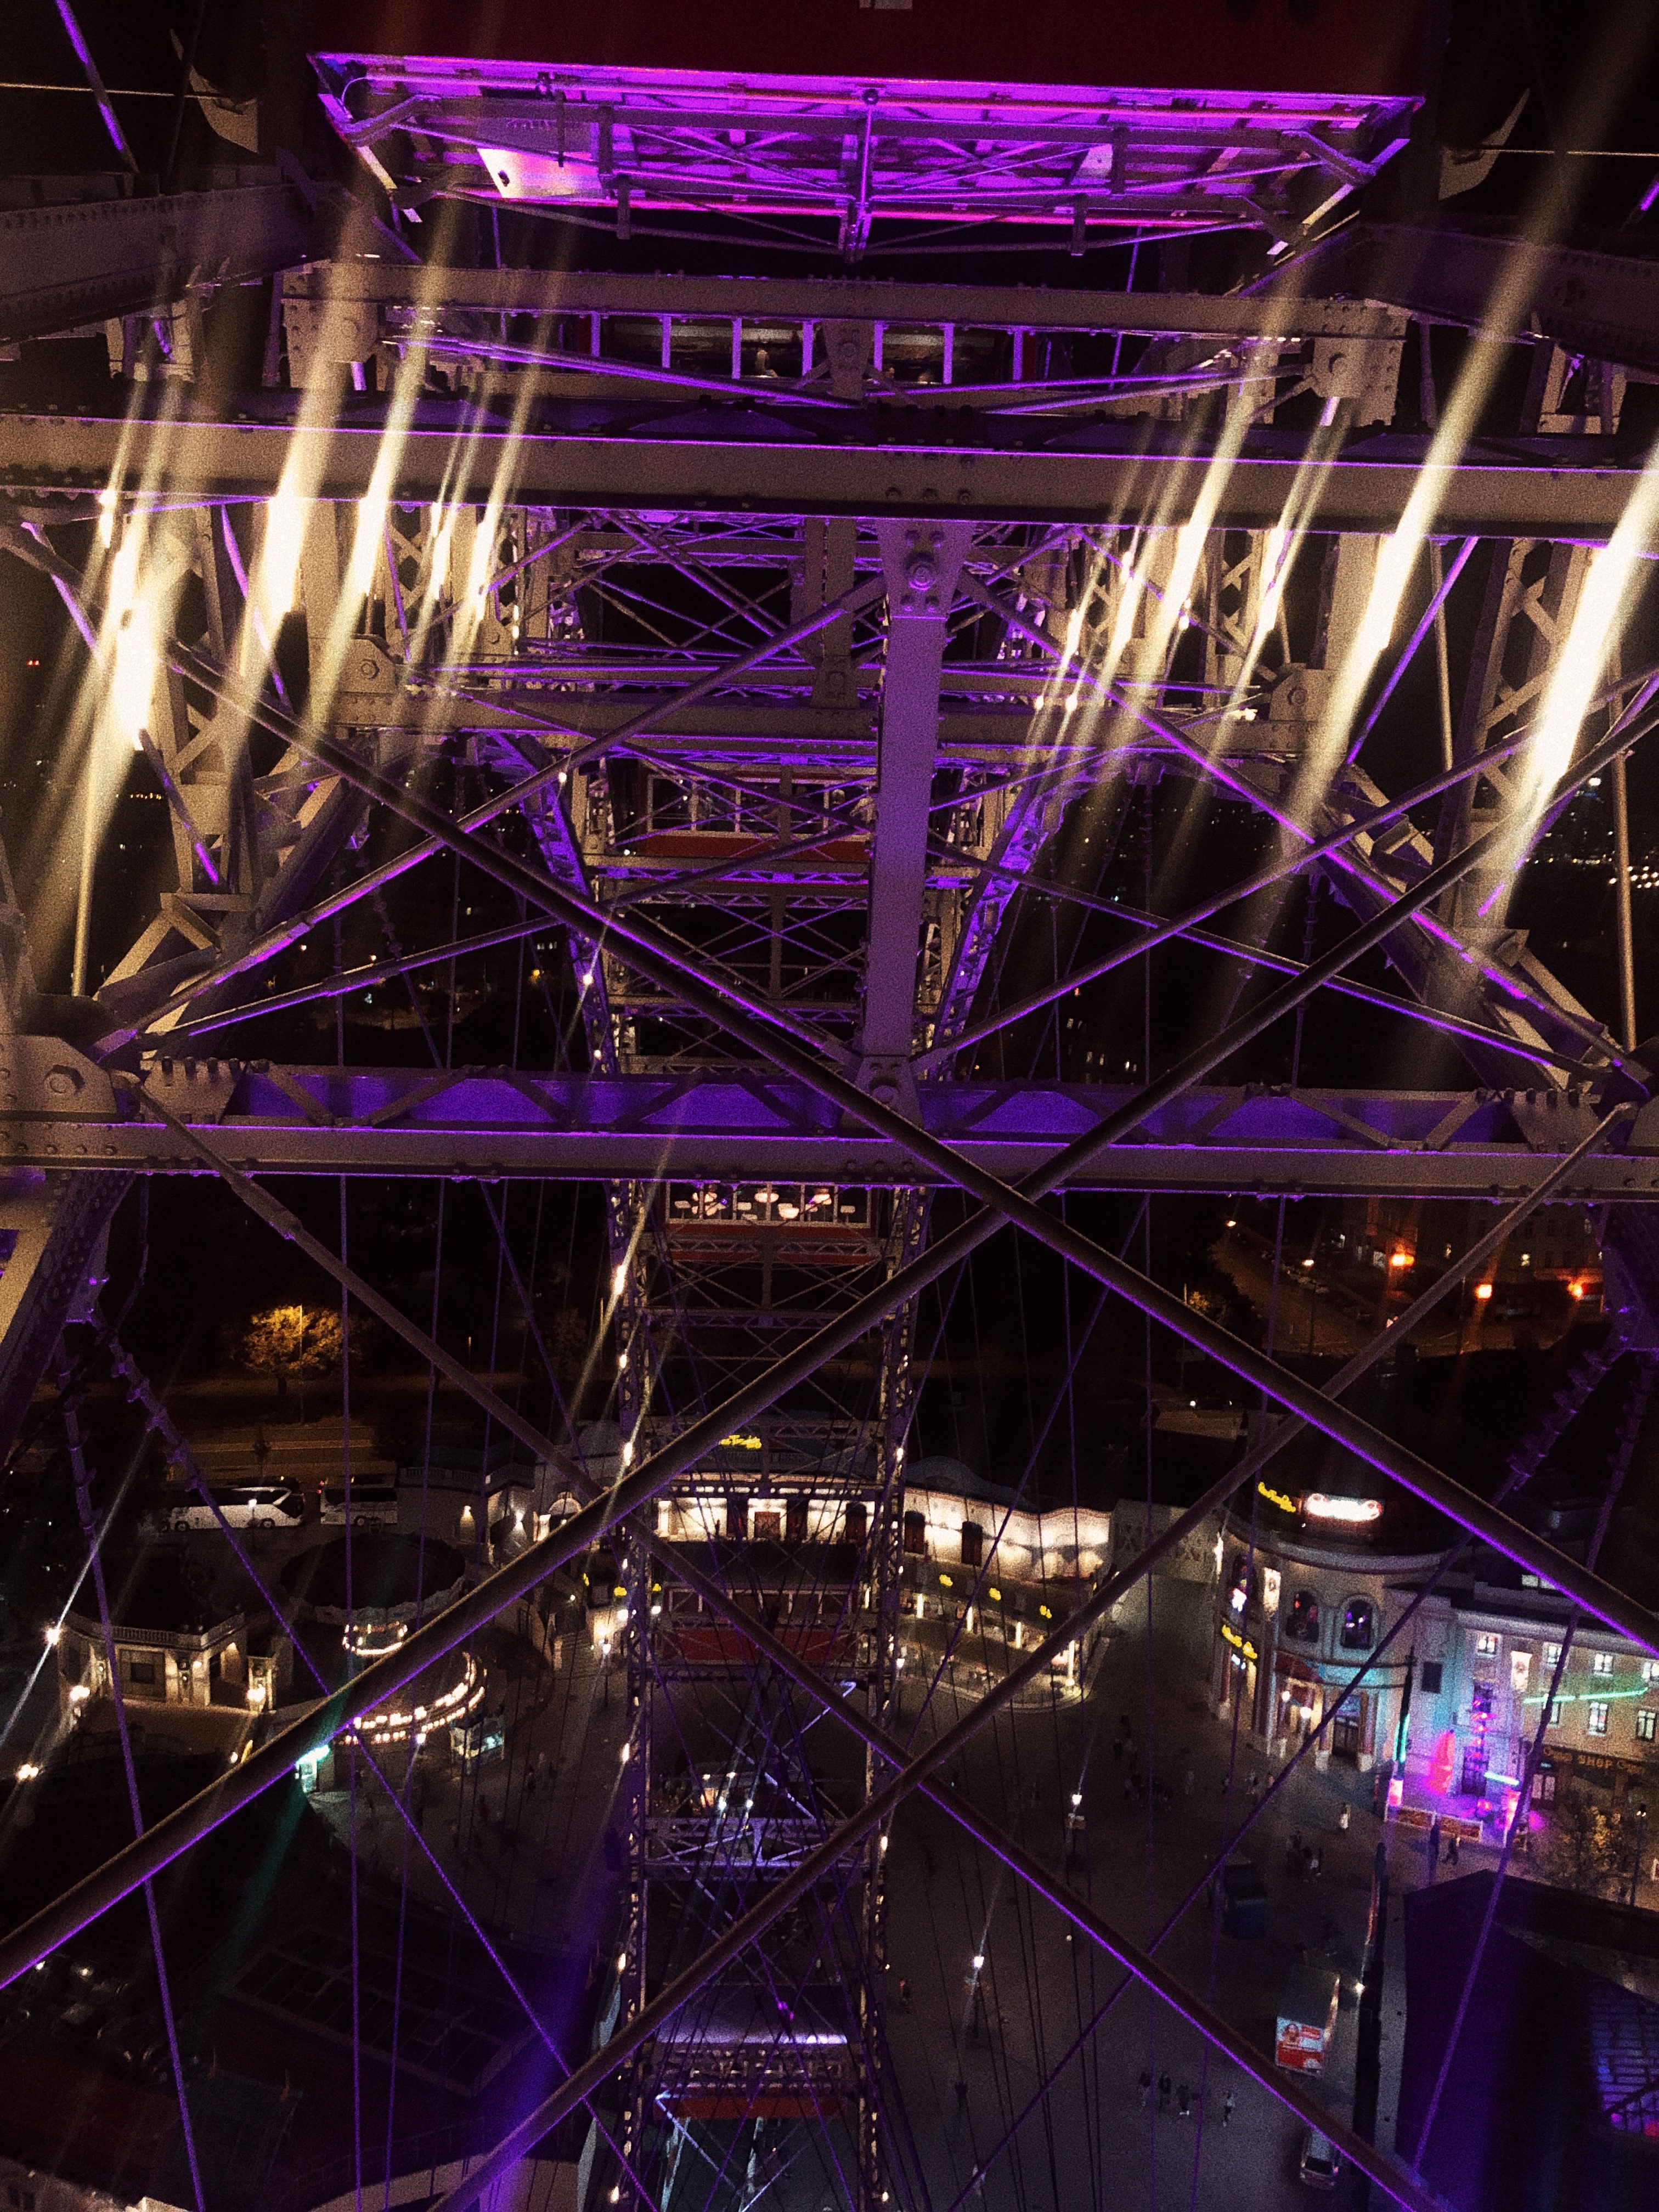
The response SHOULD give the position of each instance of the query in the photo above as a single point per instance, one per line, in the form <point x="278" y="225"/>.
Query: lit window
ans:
<point x="1485" y="1647"/>
<point x="1357" y="1634"/>
<point x="1595" y="1718"/>
<point x="1555" y="1712"/>
<point x="1552" y="1655"/>
<point x="1302" y="1623"/>
<point x="1651" y="1670"/>
<point x="1644" y="1724"/>
<point x="1601" y="1662"/>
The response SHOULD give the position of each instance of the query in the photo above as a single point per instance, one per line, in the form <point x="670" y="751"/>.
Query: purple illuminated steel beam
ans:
<point x="384" y="1676"/>
<point x="1388" y="2173"/>
<point x="790" y="1664"/>
<point x="1431" y="614"/>
<point x="159" y="1422"/>
<point x="1276" y="871"/>
<point x="76" y="38"/>
<point x="1216" y="765"/>
<point x="916" y="1775"/>
<point x="544" y="780"/>
<point x="658" y="958"/>
<point x="511" y="1581"/>
<point x="1255" y="956"/>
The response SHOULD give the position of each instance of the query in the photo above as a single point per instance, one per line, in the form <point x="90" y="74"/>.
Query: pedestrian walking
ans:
<point x="1342" y="1817"/>
<point x="1145" y="2086"/>
<point x="1317" y="1864"/>
<point x="1434" y="1841"/>
<point x="1129" y="1788"/>
<point x="1184" y="2101"/>
<point x="1255" y="1785"/>
<point x="1227" y="2110"/>
<point x="1163" y="2092"/>
<point x="904" y="1993"/>
<point x="1451" y="1849"/>
<point x="1376" y="1794"/>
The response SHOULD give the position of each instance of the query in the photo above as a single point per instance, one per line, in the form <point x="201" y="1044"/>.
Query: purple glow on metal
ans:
<point x="1287" y="820"/>
<point x="1437" y="600"/>
<point x="83" y="55"/>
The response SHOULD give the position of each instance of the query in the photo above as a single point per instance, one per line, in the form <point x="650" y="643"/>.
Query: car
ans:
<point x="1243" y="1899"/>
<point x="1321" y="2164"/>
<point x="77" y="2025"/>
<point x="125" y="2043"/>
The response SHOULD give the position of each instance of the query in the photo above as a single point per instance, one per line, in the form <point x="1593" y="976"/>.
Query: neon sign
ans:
<point x="1239" y="1643"/>
<point x="1279" y="1498"/>
<point x="1318" y="1506"/>
<point x="740" y="1443"/>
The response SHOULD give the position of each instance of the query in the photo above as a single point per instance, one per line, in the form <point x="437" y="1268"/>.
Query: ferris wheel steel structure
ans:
<point x="768" y="639"/>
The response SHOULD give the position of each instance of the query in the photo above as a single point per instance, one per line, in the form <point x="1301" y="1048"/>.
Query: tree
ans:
<point x="299" y="1341"/>
<point x="1586" y="1845"/>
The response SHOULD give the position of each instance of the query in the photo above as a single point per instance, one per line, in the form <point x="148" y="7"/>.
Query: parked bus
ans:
<point x="374" y="1505"/>
<point x="244" y="1505"/>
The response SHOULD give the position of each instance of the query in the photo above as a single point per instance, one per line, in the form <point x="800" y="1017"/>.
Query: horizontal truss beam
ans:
<point x="726" y="1124"/>
<point x="1072" y="478"/>
<point x="767" y="301"/>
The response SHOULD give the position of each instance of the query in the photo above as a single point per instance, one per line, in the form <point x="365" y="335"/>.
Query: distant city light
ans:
<point x="1483" y="1291"/>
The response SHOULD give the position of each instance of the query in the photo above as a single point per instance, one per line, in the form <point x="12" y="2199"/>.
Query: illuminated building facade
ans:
<point x="1305" y="1592"/>
<point x="1485" y="1655"/>
<point x="173" y="1646"/>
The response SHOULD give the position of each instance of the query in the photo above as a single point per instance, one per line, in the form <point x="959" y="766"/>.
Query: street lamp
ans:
<point x="1641" y="1813"/>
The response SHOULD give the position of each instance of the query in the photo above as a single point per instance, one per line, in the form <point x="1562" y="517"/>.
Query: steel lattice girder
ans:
<point x="913" y="1176"/>
<point x="1602" y="305"/>
<point x="1287" y="316"/>
<point x="792" y="1666"/>
<point x="855" y="149"/>
<point x="80" y="261"/>
<point x="728" y="1124"/>
<point x="895" y="470"/>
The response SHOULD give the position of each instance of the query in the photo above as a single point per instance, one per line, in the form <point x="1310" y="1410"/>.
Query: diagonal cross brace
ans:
<point x="384" y="1676"/>
<point x="657" y="958"/>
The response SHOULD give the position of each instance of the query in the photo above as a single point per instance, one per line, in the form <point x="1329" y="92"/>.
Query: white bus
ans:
<point x="244" y="1505"/>
<point x="374" y="1505"/>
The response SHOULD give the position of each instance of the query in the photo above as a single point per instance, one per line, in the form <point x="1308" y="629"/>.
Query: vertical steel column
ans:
<point x="920" y="561"/>
<point x="884" y="1563"/>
